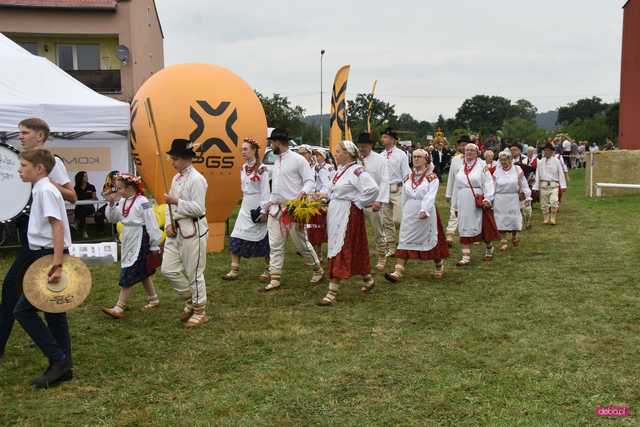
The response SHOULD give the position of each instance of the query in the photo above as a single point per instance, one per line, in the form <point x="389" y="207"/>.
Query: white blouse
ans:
<point x="350" y="184"/>
<point x="419" y="234"/>
<point x="140" y="215"/>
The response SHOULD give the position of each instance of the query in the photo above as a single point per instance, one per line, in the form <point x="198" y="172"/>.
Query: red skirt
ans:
<point x="353" y="259"/>
<point x="489" y="229"/>
<point x="317" y="229"/>
<point x="439" y="251"/>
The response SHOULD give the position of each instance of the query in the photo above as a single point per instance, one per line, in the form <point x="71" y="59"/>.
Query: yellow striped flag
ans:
<point x="339" y="126"/>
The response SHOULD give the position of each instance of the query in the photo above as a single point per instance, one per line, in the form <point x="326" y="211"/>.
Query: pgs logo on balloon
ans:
<point x="204" y="140"/>
<point x="208" y="105"/>
<point x="226" y="145"/>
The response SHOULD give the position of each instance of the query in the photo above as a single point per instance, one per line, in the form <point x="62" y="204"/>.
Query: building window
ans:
<point x="79" y="57"/>
<point x="32" y="47"/>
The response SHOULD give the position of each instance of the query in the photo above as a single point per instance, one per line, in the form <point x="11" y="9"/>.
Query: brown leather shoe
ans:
<point x="116" y="314"/>
<point x="185" y="315"/>
<point x="196" y="320"/>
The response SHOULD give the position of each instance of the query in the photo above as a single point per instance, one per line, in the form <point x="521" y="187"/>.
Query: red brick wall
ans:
<point x="629" y="137"/>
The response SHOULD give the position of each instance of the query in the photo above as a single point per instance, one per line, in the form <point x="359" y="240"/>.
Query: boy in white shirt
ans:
<point x="185" y="251"/>
<point x="32" y="133"/>
<point x="48" y="234"/>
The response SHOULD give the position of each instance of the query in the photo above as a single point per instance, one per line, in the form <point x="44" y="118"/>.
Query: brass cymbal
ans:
<point x="71" y="291"/>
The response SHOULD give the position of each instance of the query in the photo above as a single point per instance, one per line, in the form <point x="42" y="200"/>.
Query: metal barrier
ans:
<point x="602" y="185"/>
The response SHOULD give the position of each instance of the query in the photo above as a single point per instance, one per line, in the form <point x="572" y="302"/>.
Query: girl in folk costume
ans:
<point x="421" y="234"/>
<point x="351" y="190"/>
<point x="472" y="197"/>
<point x="317" y="228"/>
<point x="511" y="188"/>
<point x="141" y="240"/>
<point x="249" y="237"/>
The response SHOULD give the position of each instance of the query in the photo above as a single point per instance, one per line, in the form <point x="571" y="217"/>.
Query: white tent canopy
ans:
<point x="32" y="86"/>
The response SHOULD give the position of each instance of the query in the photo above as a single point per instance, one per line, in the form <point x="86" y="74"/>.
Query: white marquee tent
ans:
<point x="32" y="86"/>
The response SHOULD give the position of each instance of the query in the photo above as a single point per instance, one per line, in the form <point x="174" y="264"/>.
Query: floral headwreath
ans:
<point x="132" y="180"/>
<point x="251" y="141"/>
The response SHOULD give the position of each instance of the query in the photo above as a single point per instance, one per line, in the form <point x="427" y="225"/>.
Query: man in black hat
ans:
<point x="398" y="170"/>
<point x="456" y="163"/>
<point x="376" y="165"/>
<point x="292" y="177"/>
<point x="185" y="250"/>
<point x="550" y="180"/>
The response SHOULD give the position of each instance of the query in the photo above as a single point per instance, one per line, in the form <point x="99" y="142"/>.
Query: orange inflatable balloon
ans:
<point x="216" y="110"/>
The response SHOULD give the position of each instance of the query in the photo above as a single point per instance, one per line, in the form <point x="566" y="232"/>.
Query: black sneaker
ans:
<point x="55" y="373"/>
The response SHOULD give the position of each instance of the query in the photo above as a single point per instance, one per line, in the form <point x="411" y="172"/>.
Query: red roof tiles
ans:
<point x="62" y="4"/>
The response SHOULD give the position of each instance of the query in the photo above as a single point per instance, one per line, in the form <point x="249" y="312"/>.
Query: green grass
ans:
<point x="540" y="336"/>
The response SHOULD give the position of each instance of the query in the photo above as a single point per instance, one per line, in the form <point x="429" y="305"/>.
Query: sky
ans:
<point x="427" y="55"/>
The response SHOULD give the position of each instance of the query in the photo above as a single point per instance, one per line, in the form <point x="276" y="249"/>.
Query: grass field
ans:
<point x="540" y="336"/>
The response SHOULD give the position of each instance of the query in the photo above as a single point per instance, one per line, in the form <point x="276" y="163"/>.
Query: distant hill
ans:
<point x="547" y="120"/>
<point x="315" y="120"/>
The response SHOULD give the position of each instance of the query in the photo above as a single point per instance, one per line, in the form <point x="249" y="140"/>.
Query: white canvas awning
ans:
<point x="32" y="86"/>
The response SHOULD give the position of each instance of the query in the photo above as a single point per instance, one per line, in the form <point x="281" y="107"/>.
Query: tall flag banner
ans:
<point x="338" y="125"/>
<point x="373" y="94"/>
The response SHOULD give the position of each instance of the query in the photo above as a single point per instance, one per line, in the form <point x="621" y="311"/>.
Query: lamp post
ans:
<point x="321" y="94"/>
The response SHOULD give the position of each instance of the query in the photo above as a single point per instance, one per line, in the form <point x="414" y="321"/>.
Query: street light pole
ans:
<point x="321" y="94"/>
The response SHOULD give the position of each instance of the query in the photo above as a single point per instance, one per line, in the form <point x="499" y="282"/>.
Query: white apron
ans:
<point x="419" y="234"/>
<point x="350" y="184"/>
<point x="469" y="216"/>
<point x="506" y="204"/>
<point x="140" y="215"/>
<point x="255" y="194"/>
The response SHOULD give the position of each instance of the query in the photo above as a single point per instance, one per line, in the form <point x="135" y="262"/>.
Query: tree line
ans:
<point x="588" y="119"/>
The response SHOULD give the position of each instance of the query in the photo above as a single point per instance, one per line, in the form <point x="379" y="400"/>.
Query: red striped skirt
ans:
<point x="353" y="259"/>
<point x="439" y="251"/>
<point x="317" y="229"/>
<point x="489" y="229"/>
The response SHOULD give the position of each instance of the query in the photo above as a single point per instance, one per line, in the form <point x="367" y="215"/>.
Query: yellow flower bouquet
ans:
<point x="301" y="210"/>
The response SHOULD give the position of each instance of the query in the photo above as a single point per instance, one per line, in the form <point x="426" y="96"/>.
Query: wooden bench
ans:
<point x="601" y="185"/>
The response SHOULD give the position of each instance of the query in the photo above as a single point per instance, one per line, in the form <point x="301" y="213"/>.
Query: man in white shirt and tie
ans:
<point x="398" y="170"/>
<point x="550" y="180"/>
<point x="376" y="165"/>
<point x="292" y="177"/>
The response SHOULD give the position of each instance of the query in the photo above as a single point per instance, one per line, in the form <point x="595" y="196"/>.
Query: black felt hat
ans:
<point x="278" y="134"/>
<point x="464" y="139"/>
<point x="365" y="138"/>
<point x="181" y="148"/>
<point x="390" y="132"/>
<point x="549" y="146"/>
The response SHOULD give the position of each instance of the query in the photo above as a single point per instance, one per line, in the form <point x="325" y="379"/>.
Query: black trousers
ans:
<point x="52" y="338"/>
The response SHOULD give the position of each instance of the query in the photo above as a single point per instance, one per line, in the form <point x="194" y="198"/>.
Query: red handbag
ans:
<point x="479" y="198"/>
<point x="153" y="260"/>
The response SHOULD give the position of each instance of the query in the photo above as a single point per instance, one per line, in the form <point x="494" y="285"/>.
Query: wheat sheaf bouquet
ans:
<point x="301" y="210"/>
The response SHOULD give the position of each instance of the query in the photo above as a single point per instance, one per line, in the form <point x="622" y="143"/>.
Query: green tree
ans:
<point x="424" y="129"/>
<point x="441" y="123"/>
<point x="525" y="109"/>
<point x="280" y="113"/>
<point x="582" y="109"/>
<point x="593" y="129"/>
<point x="383" y="115"/>
<point x="613" y="117"/>
<point x="518" y="129"/>
<point x="484" y="113"/>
